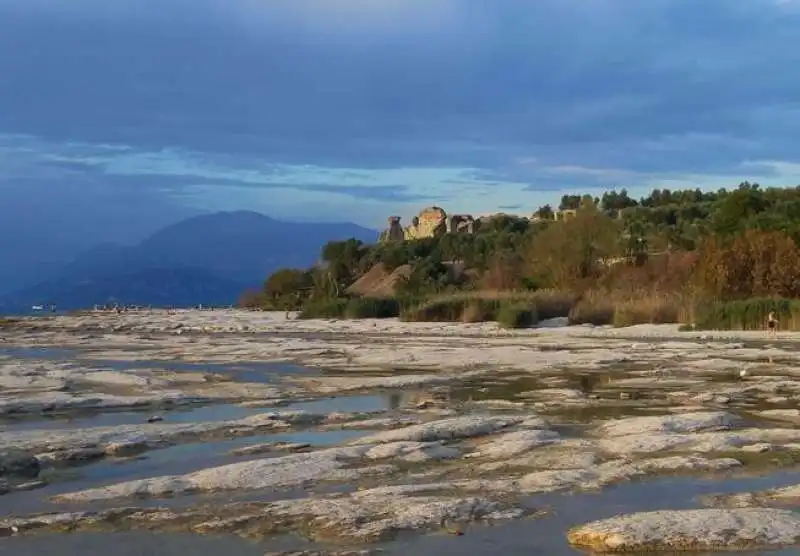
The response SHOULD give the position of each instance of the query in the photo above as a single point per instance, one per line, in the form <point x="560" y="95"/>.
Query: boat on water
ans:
<point x="37" y="308"/>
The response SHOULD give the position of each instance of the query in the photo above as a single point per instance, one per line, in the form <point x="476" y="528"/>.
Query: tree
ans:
<point x="343" y="258"/>
<point x="570" y="202"/>
<point x="735" y="209"/>
<point x="755" y="263"/>
<point x="287" y="288"/>
<point x="545" y="212"/>
<point x="613" y="201"/>
<point x="573" y="250"/>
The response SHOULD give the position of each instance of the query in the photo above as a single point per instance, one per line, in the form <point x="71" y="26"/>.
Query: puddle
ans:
<point x="173" y="460"/>
<point x="351" y="404"/>
<point x="78" y="420"/>
<point x="480" y="390"/>
<point x="201" y="413"/>
<point x="186" y="458"/>
<point x="589" y="414"/>
<point x="258" y="372"/>
<point x="46" y="353"/>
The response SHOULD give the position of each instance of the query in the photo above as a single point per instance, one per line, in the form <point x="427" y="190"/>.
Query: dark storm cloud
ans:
<point x="448" y="82"/>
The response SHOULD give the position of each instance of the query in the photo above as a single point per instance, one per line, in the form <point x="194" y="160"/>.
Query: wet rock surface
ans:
<point x="352" y="433"/>
<point x="690" y="531"/>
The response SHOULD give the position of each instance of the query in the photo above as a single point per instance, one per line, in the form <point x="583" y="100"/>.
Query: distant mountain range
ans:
<point x="208" y="259"/>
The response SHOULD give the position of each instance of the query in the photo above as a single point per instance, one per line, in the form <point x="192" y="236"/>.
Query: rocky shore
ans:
<point x="352" y="434"/>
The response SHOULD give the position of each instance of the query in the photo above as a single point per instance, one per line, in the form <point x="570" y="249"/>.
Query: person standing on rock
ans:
<point x="772" y="324"/>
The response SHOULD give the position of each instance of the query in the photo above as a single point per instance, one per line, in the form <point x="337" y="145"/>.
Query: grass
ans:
<point x="517" y="315"/>
<point x="511" y="309"/>
<point x="606" y="308"/>
<point x="354" y="308"/>
<point x="746" y="314"/>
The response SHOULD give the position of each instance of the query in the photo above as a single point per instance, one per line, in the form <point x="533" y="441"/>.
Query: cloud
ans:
<point x="389" y="104"/>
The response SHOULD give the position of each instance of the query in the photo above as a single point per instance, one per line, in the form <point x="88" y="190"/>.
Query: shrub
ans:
<point x="591" y="311"/>
<point x="517" y="315"/>
<point x="600" y="308"/>
<point x="483" y="306"/>
<point x="324" y="309"/>
<point x="372" y="308"/>
<point x="553" y="304"/>
<point x="650" y="309"/>
<point x="450" y="309"/>
<point x="476" y="311"/>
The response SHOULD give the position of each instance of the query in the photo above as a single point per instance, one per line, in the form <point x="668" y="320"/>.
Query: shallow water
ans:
<point x="263" y="372"/>
<point x="527" y="537"/>
<point x="547" y="536"/>
<point x="197" y="413"/>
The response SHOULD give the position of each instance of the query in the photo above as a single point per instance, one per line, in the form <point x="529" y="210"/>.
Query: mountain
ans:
<point x="206" y="259"/>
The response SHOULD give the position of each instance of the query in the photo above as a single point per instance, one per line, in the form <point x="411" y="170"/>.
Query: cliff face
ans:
<point x="431" y="222"/>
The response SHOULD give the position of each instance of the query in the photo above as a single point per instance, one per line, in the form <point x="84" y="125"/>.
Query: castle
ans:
<point x="430" y="222"/>
<point x="434" y="221"/>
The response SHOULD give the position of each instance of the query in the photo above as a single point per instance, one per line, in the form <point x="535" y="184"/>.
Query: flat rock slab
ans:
<point x="690" y="530"/>
<point x="785" y="496"/>
<point x="670" y="424"/>
<point x="447" y="429"/>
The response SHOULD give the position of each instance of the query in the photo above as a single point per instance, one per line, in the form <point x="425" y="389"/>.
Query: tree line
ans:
<point x="726" y="245"/>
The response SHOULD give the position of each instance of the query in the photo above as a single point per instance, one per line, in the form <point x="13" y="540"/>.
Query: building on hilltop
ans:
<point x="431" y="222"/>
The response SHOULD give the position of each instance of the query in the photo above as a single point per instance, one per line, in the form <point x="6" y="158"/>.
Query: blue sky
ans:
<point x="129" y="114"/>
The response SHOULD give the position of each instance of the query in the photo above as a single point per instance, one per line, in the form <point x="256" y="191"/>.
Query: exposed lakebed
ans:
<point x="195" y="430"/>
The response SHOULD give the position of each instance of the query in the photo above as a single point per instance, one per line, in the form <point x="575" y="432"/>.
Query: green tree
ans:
<point x="573" y="250"/>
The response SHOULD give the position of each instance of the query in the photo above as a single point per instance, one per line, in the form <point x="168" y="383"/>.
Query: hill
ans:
<point x="215" y="256"/>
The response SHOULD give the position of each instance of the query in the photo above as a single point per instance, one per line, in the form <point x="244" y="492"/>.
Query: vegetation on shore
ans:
<point x="708" y="260"/>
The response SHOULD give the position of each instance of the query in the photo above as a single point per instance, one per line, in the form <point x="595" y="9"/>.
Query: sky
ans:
<point x="117" y="117"/>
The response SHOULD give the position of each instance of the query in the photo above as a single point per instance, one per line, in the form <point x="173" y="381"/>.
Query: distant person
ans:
<point x="772" y="324"/>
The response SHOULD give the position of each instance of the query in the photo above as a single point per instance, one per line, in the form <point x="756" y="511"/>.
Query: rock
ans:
<point x="445" y="429"/>
<point x="90" y="443"/>
<point x="64" y="455"/>
<point x="703" y="442"/>
<point x="781" y="414"/>
<point x="515" y="443"/>
<point x="269" y="447"/>
<point x="289" y="471"/>
<point x="126" y="448"/>
<point x="670" y="424"/>
<point x="361" y="517"/>
<point x="789" y="495"/>
<point x="413" y="451"/>
<point x="31" y="485"/>
<point x="690" y="530"/>
<point x="14" y="463"/>
<point x="757" y="448"/>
